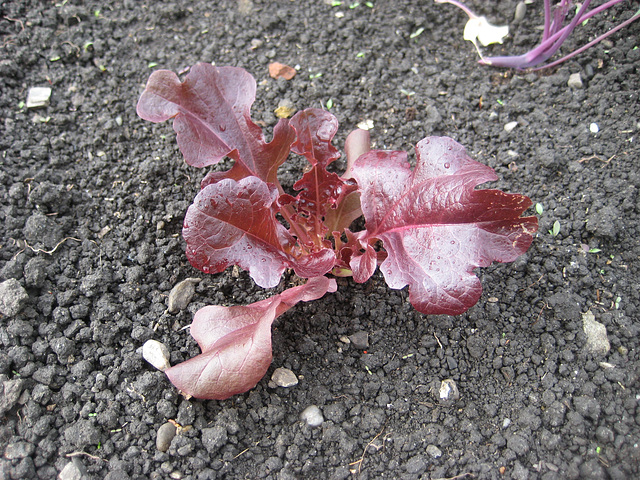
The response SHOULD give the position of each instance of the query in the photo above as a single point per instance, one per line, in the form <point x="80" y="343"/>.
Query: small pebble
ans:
<point x="433" y="451"/>
<point x="164" y="436"/>
<point x="312" y="416"/>
<point x="521" y="11"/>
<point x="593" y="128"/>
<point x="575" y="81"/>
<point x="506" y="422"/>
<point x="360" y="340"/>
<point x="510" y="126"/>
<point x="283" y="377"/>
<point x="448" y="393"/>
<point x="38" y="97"/>
<point x="157" y="354"/>
<point x="12" y="297"/>
<point x="74" y="470"/>
<point x="597" y="340"/>
<point x="181" y="295"/>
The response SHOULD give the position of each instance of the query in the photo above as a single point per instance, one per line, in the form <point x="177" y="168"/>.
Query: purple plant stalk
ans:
<point x="554" y="34"/>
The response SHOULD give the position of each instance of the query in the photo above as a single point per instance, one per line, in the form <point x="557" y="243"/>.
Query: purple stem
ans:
<point x="593" y="42"/>
<point x="554" y="37"/>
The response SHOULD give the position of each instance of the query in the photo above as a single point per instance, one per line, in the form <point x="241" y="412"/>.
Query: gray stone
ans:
<point x="521" y="11"/>
<point x="74" y="470"/>
<point x="11" y="390"/>
<point x="575" y="81"/>
<point x="181" y="295"/>
<point x="283" y="377"/>
<point x="165" y="434"/>
<point x="597" y="341"/>
<point x="12" y="297"/>
<point x="360" y="340"/>
<point x="433" y="451"/>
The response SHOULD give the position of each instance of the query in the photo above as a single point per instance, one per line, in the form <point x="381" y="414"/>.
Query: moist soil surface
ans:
<point x="93" y="199"/>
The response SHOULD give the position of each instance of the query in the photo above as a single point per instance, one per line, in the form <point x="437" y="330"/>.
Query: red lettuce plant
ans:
<point x="555" y="31"/>
<point x="426" y="227"/>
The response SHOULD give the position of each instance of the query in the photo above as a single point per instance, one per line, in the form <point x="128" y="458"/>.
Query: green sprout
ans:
<point x="555" y="230"/>
<point x="354" y="5"/>
<point x="500" y="102"/>
<point x="416" y="33"/>
<point x="598" y="450"/>
<point x="152" y="64"/>
<point x="360" y="55"/>
<point x="617" y="302"/>
<point x="313" y="76"/>
<point x="594" y="250"/>
<point x="336" y="4"/>
<point x="539" y="208"/>
<point x="329" y="104"/>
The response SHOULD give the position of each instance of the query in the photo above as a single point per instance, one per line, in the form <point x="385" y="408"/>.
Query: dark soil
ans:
<point x="92" y="204"/>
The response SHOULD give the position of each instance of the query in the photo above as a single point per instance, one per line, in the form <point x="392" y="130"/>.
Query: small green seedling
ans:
<point x="555" y="230"/>
<point x="417" y="33"/>
<point x="539" y="209"/>
<point x="329" y="104"/>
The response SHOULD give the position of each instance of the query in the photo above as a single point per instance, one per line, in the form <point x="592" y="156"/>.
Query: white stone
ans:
<point x="448" y="393"/>
<point x="312" y="416"/>
<point x="38" y="97"/>
<point x="157" y="354"/>
<point x="510" y="126"/>
<point x="593" y="128"/>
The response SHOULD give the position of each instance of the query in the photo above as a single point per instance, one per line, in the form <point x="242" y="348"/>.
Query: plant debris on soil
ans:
<point x="539" y="380"/>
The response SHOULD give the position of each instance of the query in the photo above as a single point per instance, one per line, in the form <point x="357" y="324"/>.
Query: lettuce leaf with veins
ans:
<point x="236" y="343"/>
<point x="434" y="226"/>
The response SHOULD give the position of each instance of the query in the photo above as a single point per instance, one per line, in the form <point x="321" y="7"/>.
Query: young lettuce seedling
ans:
<point x="556" y="30"/>
<point x="426" y="227"/>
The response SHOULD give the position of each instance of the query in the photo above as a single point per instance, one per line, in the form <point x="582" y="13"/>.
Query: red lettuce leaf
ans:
<point x="236" y="343"/>
<point x="315" y="129"/>
<point x="212" y="120"/>
<point x="233" y="223"/>
<point x="434" y="226"/>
